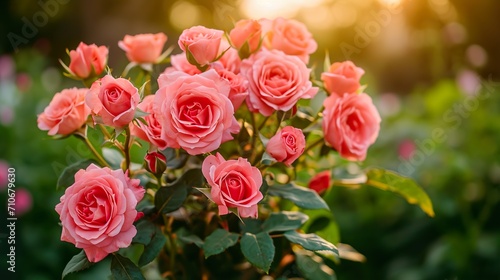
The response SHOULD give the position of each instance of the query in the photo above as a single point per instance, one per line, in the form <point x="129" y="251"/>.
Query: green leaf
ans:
<point x="145" y="231"/>
<point x="302" y="197"/>
<point x="67" y="177"/>
<point x="138" y="112"/>
<point x="176" y="158"/>
<point x="188" y="238"/>
<point x="322" y="223"/>
<point x="77" y="263"/>
<point x="124" y="269"/>
<point x="251" y="225"/>
<point x="284" y="221"/>
<point x="170" y="198"/>
<point x="311" y="242"/>
<point x="313" y="267"/>
<point x="258" y="249"/>
<point x="219" y="241"/>
<point x="391" y="181"/>
<point x="267" y="159"/>
<point x="153" y="248"/>
<point x="113" y="157"/>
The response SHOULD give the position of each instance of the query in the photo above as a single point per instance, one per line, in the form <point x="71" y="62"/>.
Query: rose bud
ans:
<point x="342" y="77"/>
<point x="143" y="48"/>
<point x="246" y="36"/>
<point x="155" y="162"/>
<point x="87" y="61"/>
<point x="201" y="44"/>
<point x="320" y="182"/>
<point x="287" y="145"/>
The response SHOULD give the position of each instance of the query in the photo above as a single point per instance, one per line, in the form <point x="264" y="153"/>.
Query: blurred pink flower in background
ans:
<point x="23" y="82"/>
<point x="7" y="67"/>
<point x="406" y="149"/>
<point x="469" y="82"/>
<point x="24" y="201"/>
<point x="4" y="171"/>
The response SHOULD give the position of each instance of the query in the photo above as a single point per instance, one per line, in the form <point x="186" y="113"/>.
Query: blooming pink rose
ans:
<point x="320" y="182"/>
<point x="239" y="86"/>
<point x="151" y="131"/>
<point x="180" y="63"/>
<point x="114" y="100"/>
<point x="196" y="113"/>
<point x="234" y="184"/>
<point x="66" y="112"/>
<point x="97" y="212"/>
<point x="143" y="48"/>
<point x="201" y="43"/>
<point x="342" y="77"/>
<point x="289" y="36"/>
<point x="276" y="81"/>
<point x="351" y="124"/>
<point x="88" y="60"/>
<point x="287" y="145"/>
<point x="246" y="31"/>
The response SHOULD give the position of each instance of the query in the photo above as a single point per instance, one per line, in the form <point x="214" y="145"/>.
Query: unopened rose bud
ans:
<point x="156" y="163"/>
<point x="320" y="182"/>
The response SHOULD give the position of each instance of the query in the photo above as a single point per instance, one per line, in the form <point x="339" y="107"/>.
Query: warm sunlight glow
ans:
<point x="391" y="2"/>
<point x="274" y="8"/>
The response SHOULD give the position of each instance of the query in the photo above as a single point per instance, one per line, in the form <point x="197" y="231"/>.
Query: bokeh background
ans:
<point x="431" y="65"/>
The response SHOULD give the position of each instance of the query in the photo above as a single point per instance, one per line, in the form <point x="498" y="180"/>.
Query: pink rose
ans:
<point x="196" y="113"/>
<point x="276" y="81"/>
<point x="156" y="162"/>
<point x="114" y="100"/>
<point x="66" y="112"/>
<point x="320" y="182"/>
<point x="200" y="43"/>
<point x="152" y="131"/>
<point x="342" y="77"/>
<point x="246" y="35"/>
<point x="230" y="60"/>
<point x="234" y="184"/>
<point x="289" y="36"/>
<point x="97" y="212"/>
<point x="88" y="60"/>
<point x="180" y="63"/>
<point x="239" y="86"/>
<point x="287" y="145"/>
<point x="351" y="124"/>
<point x="143" y="48"/>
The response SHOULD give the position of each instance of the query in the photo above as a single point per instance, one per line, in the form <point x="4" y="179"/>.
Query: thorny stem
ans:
<point x="98" y="156"/>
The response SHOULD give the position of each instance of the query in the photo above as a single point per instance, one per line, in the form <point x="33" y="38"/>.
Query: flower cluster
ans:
<point x="231" y="107"/>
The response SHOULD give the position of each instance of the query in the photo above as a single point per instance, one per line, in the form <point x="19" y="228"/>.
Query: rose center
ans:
<point x="93" y="207"/>
<point x="196" y="114"/>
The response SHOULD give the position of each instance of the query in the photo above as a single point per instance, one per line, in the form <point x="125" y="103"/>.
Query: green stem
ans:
<point x="98" y="156"/>
<point x="254" y="136"/>
<point x="126" y="148"/>
<point x="314" y="144"/>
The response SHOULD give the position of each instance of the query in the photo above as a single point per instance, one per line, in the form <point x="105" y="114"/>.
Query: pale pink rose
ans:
<point x="287" y="145"/>
<point x="143" y="48"/>
<point x="351" y="123"/>
<point x="24" y="201"/>
<point x="230" y="60"/>
<point x="114" y="100"/>
<point x="97" y="212"/>
<point x="88" y="60"/>
<point x="289" y="36"/>
<point x="151" y="131"/>
<point x="342" y="77"/>
<point x="201" y="43"/>
<point x="196" y="113"/>
<point x="234" y="184"/>
<point x="180" y="63"/>
<point x="239" y="86"/>
<point x="320" y="182"/>
<point x="66" y="112"/>
<point x="276" y="81"/>
<point x="246" y="31"/>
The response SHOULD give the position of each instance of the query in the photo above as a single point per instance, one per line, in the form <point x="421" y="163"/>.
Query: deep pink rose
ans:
<point x="246" y="31"/>
<point x="320" y="182"/>
<point x="289" y="36"/>
<point x="88" y="60"/>
<point x="143" y="48"/>
<point x="97" y="212"/>
<point x="179" y="63"/>
<point x="201" y="43"/>
<point x="239" y="86"/>
<point x="342" y="77"/>
<point x="351" y="124"/>
<point x="151" y="131"/>
<point x="196" y="113"/>
<point x="287" y="145"/>
<point x="276" y="81"/>
<point x="66" y="112"/>
<point x="156" y="162"/>
<point x="114" y="100"/>
<point x="234" y="184"/>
